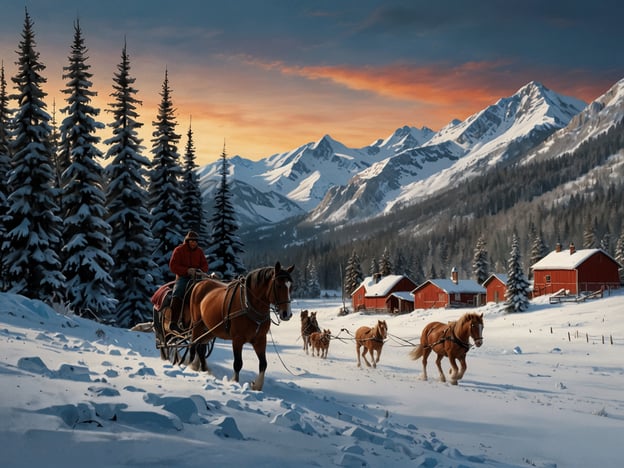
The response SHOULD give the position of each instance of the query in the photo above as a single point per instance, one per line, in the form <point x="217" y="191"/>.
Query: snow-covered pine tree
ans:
<point x="353" y="274"/>
<point x="374" y="267"/>
<point x="165" y="191"/>
<point x="33" y="227"/>
<point x="589" y="233"/>
<point x="225" y="248"/>
<point x="126" y="200"/>
<point x="86" y="233"/>
<point x="192" y="202"/>
<point x="314" y="287"/>
<point x="619" y="254"/>
<point x="480" y="261"/>
<point x="385" y="264"/>
<point x="538" y="250"/>
<point x="5" y="167"/>
<point x="517" y="293"/>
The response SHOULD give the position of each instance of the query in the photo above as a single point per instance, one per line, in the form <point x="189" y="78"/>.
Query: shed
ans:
<point x="575" y="271"/>
<point x="495" y="287"/>
<point x="381" y="293"/>
<point x="437" y="293"/>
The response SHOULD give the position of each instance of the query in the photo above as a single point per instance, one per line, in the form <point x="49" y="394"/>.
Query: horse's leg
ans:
<point x="378" y="353"/>
<point x="237" y="349"/>
<point x="364" y="351"/>
<point x="454" y="371"/>
<point x="259" y="347"/>
<point x="357" y="351"/>
<point x="425" y="354"/>
<point x="439" y="364"/>
<point x="463" y="367"/>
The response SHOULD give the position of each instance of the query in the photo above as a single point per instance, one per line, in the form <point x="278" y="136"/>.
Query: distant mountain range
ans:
<point x="326" y="182"/>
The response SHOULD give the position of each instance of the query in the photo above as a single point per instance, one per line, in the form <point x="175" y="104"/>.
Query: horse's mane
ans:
<point x="469" y="316"/>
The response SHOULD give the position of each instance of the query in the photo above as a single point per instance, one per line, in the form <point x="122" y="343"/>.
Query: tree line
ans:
<point x="97" y="240"/>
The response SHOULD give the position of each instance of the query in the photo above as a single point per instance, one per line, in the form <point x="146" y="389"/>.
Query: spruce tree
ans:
<point x="126" y="200"/>
<point x="226" y="248"/>
<point x="86" y="233"/>
<point x="192" y="204"/>
<point x="5" y="167"/>
<point x="353" y="274"/>
<point x="385" y="264"/>
<point x="314" y="287"/>
<point x="518" y="291"/>
<point x="480" y="261"/>
<point x="165" y="191"/>
<point x="33" y="226"/>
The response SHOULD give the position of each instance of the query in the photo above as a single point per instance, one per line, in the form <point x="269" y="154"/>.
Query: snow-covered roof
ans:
<point x="502" y="277"/>
<point x="403" y="295"/>
<point x="450" y="287"/>
<point x="564" y="260"/>
<point x="382" y="287"/>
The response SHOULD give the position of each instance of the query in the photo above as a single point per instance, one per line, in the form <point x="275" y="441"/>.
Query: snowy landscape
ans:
<point x="544" y="390"/>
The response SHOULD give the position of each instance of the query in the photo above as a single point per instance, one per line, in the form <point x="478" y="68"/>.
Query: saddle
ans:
<point x="161" y="296"/>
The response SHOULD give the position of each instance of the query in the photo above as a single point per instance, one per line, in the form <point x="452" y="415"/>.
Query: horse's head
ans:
<point x="382" y="329"/>
<point x="476" y="329"/>
<point x="304" y="315"/>
<point x="282" y="282"/>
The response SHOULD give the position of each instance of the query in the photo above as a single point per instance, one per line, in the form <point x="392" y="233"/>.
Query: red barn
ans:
<point x="437" y="293"/>
<point x="495" y="287"/>
<point x="575" y="271"/>
<point x="378" y="293"/>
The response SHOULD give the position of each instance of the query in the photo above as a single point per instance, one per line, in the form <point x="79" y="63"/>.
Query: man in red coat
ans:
<point x="187" y="260"/>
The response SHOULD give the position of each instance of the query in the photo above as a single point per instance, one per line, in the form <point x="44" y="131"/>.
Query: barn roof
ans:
<point x="382" y="287"/>
<point x="450" y="287"/>
<point x="502" y="277"/>
<point x="564" y="260"/>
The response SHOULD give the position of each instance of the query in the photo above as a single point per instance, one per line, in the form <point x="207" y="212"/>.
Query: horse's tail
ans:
<point x="416" y="353"/>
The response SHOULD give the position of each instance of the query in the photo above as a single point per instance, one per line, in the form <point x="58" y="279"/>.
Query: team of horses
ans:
<point x="240" y="311"/>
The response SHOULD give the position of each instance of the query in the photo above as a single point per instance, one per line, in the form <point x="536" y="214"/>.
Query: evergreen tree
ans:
<point x="192" y="205"/>
<point x="5" y="167"/>
<point x="353" y="274"/>
<point x="605" y="242"/>
<point x="86" y="233"/>
<point x="226" y="248"/>
<point x="444" y="258"/>
<point x="480" y="261"/>
<point x="385" y="264"/>
<point x="126" y="200"/>
<point x="619" y="254"/>
<point x="517" y="293"/>
<point x="374" y="267"/>
<point x="538" y="250"/>
<point x="165" y="192"/>
<point x="33" y="227"/>
<point x="589" y="234"/>
<point x="314" y="287"/>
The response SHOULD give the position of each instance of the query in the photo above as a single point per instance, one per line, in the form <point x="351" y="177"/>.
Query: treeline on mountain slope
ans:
<point x="562" y="198"/>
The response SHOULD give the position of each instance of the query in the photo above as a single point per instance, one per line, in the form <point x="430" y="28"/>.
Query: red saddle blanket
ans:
<point x="161" y="293"/>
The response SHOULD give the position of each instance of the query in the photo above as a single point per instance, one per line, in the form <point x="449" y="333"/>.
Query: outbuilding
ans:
<point x="453" y="292"/>
<point x="384" y="294"/>
<point x="495" y="287"/>
<point x="575" y="271"/>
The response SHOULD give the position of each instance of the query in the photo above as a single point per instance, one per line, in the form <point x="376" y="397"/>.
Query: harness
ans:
<point x="451" y="338"/>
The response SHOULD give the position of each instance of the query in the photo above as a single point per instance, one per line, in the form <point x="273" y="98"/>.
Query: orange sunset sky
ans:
<point x="267" y="77"/>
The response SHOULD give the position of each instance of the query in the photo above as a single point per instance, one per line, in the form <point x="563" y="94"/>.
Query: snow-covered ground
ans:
<point x="542" y="391"/>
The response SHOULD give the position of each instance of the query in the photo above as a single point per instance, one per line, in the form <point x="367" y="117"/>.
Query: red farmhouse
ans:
<point x="437" y="293"/>
<point x="384" y="293"/>
<point x="575" y="271"/>
<point x="495" y="287"/>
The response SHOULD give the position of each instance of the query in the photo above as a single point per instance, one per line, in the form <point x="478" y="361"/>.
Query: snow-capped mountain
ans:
<point x="459" y="151"/>
<point x="333" y="183"/>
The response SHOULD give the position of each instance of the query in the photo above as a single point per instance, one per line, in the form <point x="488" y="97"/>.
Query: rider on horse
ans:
<point x="187" y="260"/>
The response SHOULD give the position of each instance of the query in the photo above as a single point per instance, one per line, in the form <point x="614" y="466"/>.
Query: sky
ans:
<point x="542" y="391"/>
<point x="267" y="77"/>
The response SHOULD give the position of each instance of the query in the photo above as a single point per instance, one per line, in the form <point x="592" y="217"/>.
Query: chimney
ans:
<point x="572" y="248"/>
<point x="377" y="277"/>
<point x="558" y="247"/>
<point x="454" y="275"/>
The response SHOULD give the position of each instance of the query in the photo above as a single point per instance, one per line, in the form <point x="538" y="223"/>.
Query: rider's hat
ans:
<point x="191" y="235"/>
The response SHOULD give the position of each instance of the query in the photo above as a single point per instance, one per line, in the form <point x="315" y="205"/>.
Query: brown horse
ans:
<point x="240" y="312"/>
<point x="371" y="339"/>
<point x="451" y="340"/>
<point x="319" y="341"/>
<point x="309" y="325"/>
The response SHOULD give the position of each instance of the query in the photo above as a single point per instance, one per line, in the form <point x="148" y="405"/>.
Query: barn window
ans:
<point x="548" y="278"/>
